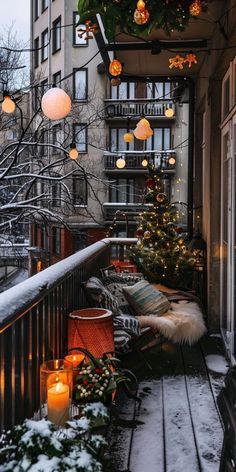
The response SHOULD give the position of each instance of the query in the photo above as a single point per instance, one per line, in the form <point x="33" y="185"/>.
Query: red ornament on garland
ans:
<point x="179" y="230"/>
<point x="139" y="233"/>
<point x="150" y="183"/>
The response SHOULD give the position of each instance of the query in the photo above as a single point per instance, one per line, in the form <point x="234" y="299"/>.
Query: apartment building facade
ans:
<point x="100" y="116"/>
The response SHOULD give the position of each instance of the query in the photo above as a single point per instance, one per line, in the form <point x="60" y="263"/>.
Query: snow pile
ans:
<point x="217" y="364"/>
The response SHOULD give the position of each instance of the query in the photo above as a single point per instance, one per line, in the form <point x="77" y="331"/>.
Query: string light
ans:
<point x="120" y="163"/>
<point x="73" y="151"/>
<point x="169" y="112"/>
<point x="8" y="105"/>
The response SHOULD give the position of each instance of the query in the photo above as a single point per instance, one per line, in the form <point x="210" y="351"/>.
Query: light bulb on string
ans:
<point x="73" y="153"/>
<point x="172" y="160"/>
<point x="144" y="163"/>
<point x="120" y="163"/>
<point x="8" y="105"/>
<point x="169" y="112"/>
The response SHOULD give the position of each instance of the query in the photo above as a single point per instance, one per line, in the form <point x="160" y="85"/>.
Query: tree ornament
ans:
<point x="115" y="67"/>
<point x="140" y="5"/>
<point x="150" y="183"/>
<point x="195" y="8"/>
<point x="128" y="137"/>
<point x="139" y="232"/>
<point x="149" y="197"/>
<point x="178" y="230"/>
<point x="191" y="59"/>
<point x="147" y="235"/>
<point x="141" y="17"/>
<point x="161" y="197"/>
<point x="115" y="82"/>
<point x="176" y="62"/>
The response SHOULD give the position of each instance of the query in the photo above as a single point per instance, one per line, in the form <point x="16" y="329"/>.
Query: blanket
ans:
<point x="182" y="324"/>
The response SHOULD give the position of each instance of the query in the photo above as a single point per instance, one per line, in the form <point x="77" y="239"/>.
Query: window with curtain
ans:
<point x="80" y="84"/>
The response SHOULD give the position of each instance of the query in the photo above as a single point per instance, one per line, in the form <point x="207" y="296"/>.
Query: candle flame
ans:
<point x="59" y="387"/>
<point x="74" y="357"/>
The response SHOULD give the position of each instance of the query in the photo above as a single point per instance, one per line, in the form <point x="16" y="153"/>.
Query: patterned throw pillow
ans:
<point x="100" y="296"/>
<point x="125" y="328"/>
<point x="115" y="283"/>
<point x="145" y="299"/>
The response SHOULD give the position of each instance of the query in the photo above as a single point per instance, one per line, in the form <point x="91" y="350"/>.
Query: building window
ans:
<point x="122" y="191"/>
<point x="80" y="241"/>
<point x="57" y="137"/>
<point x="56" y="35"/>
<point x="161" y="90"/>
<point x="56" y="241"/>
<point x="36" y="9"/>
<point x="44" y="238"/>
<point x="43" y="141"/>
<point x="44" y="5"/>
<point x="80" y="137"/>
<point x="160" y="141"/>
<point x="56" y="78"/>
<point x="125" y="91"/>
<point x="117" y="142"/>
<point x="36" y="52"/>
<point x="80" y="84"/>
<point x="44" y="45"/>
<point x="77" y="39"/>
<point x="56" y="194"/>
<point x="79" y="190"/>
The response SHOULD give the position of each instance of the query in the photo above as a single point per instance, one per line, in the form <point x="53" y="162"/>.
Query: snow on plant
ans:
<point x="37" y="446"/>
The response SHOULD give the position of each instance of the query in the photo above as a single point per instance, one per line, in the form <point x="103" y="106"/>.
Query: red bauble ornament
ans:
<point x="139" y="233"/>
<point x="150" y="183"/>
<point x="179" y="230"/>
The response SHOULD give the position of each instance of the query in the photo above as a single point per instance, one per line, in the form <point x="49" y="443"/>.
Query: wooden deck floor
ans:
<point x="177" y="426"/>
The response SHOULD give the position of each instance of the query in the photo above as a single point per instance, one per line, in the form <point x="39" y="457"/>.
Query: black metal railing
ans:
<point x="137" y="107"/>
<point x="135" y="160"/>
<point x="33" y="328"/>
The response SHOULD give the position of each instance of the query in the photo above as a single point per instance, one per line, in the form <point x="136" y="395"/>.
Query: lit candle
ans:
<point x="58" y="403"/>
<point x="75" y="359"/>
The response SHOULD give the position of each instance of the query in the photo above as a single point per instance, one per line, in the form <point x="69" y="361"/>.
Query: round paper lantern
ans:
<point x="8" y="105"/>
<point x="169" y="112"/>
<point x="56" y="104"/>
<point x="120" y="163"/>
<point x="128" y="137"/>
<point x="115" y="67"/>
<point x="141" y="17"/>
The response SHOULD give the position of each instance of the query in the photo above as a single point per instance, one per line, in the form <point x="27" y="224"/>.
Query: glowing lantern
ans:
<point x="120" y="163"/>
<point x="143" y="130"/>
<point x="56" y="104"/>
<point x="144" y="162"/>
<point x="115" y="67"/>
<point x="195" y="8"/>
<point x="171" y="160"/>
<point x="141" y="17"/>
<point x="169" y="112"/>
<point x="8" y="105"/>
<point x="73" y="152"/>
<point x="128" y="137"/>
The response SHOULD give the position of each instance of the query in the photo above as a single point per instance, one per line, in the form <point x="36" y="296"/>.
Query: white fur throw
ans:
<point x="182" y="324"/>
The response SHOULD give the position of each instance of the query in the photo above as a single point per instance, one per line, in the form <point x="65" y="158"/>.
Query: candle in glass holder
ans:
<point x="58" y="403"/>
<point x="75" y="359"/>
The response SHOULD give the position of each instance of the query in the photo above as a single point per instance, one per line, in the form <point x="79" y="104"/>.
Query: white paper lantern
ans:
<point x="56" y="104"/>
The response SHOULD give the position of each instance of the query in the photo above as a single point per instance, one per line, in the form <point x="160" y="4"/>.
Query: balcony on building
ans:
<point x="136" y="161"/>
<point x="134" y="108"/>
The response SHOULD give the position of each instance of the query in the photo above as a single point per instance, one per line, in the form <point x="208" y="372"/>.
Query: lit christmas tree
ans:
<point x="161" y="252"/>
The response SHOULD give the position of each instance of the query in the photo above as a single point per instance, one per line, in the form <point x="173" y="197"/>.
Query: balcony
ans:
<point x="151" y="108"/>
<point x="123" y="211"/>
<point x="134" y="159"/>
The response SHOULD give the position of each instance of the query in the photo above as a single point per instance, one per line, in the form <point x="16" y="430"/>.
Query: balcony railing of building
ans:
<point x="134" y="160"/>
<point x="131" y="210"/>
<point x="135" y="107"/>
<point x="33" y="318"/>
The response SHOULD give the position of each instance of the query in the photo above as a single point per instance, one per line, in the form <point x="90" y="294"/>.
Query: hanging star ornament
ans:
<point x="191" y="59"/>
<point x="88" y="30"/>
<point x="176" y="62"/>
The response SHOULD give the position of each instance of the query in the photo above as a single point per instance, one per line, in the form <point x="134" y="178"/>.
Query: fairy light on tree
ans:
<point x="161" y="252"/>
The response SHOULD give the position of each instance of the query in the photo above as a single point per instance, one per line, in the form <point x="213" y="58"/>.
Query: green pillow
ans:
<point x="145" y="299"/>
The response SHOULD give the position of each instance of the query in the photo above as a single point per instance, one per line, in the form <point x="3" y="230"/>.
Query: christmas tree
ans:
<point x="161" y="252"/>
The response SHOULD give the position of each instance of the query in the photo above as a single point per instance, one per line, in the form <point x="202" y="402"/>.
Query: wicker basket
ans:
<point x="92" y="329"/>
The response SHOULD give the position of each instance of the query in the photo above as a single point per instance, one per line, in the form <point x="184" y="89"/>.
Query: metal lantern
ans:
<point x="198" y="247"/>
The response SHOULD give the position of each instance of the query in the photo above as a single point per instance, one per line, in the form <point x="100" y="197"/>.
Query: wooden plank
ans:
<point x="207" y="425"/>
<point x="181" y="452"/>
<point x="147" y="453"/>
<point x="120" y="433"/>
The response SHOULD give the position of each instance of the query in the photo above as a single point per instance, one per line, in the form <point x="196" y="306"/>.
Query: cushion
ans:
<point x="115" y="283"/>
<point x="100" y="296"/>
<point x="146" y="299"/>
<point x="125" y="328"/>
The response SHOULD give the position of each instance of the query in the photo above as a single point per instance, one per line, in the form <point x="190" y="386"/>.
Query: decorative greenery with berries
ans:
<point x="97" y="380"/>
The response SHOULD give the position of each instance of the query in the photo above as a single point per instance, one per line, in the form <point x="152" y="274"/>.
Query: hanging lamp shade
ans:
<point x="128" y="137"/>
<point x="56" y="104"/>
<point x="140" y="134"/>
<point x="115" y="67"/>
<point x="143" y="130"/>
<point x="8" y="104"/>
